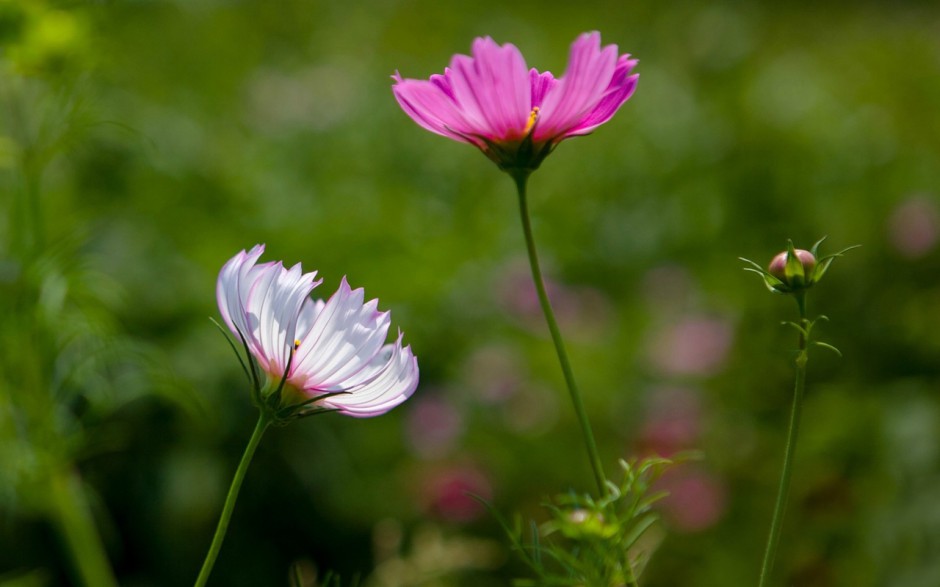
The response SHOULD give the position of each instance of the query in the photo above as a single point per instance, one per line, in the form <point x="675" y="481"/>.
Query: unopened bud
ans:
<point x="792" y="274"/>
<point x="794" y="270"/>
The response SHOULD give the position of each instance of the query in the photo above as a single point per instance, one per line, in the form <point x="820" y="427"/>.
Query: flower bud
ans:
<point x="795" y="270"/>
<point x="795" y="273"/>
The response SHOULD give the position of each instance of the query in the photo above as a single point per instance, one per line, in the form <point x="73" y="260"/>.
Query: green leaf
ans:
<point x="647" y="503"/>
<point x="799" y="328"/>
<point x="822" y="267"/>
<point x="638" y="529"/>
<point x="828" y="346"/>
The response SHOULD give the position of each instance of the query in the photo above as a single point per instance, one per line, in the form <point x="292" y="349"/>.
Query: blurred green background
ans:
<point x="143" y="143"/>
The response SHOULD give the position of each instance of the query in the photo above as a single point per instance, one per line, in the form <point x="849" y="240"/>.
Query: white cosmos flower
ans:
<point x="337" y="345"/>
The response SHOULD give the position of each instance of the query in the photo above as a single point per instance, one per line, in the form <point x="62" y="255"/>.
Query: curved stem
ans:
<point x="784" y="488"/>
<point x="260" y="427"/>
<point x="521" y="178"/>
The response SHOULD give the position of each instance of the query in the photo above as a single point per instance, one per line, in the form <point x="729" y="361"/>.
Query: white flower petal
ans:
<point x="308" y="314"/>
<point x="232" y="288"/>
<point x="344" y="338"/>
<point x="279" y="310"/>
<point x="263" y="302"/>
<point x="394" y="377"/>
<point x="341" y="341"/>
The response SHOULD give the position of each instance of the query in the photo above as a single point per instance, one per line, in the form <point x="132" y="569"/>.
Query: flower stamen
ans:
<point x="533" y="117"/>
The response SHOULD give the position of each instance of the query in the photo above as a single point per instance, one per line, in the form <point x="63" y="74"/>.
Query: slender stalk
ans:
<point x="799" y="387"/>
<point x="521" y="178"/>
<point x="262" y="425"/>
<point x="77" y="527"/>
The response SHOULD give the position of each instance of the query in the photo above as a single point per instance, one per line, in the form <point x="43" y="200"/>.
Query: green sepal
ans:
<point x="231" y="344"/>
<point x="796" y="275"/>
<point x="513" y="156"/>
<point x="300" y="410"/>
<point x="815" y="248"/>
<point x="773" y="284"/>
<point x="251" y="369"/>
<point x="309" y="413"/>
<point x="822" y="265"/>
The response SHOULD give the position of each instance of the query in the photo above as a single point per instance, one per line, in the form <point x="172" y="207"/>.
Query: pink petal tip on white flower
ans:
<point x="515" y="115"/>
<point x="334" y="349"/>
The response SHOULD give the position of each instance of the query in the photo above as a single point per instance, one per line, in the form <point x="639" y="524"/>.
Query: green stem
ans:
<point x="521" y="178"/>
<point x="782" y="492"/>
<point x="260" y="427"/>
<point x="76" y="525"/>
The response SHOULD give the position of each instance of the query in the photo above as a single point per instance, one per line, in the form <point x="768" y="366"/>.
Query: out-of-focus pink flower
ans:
<point x="334" y="349"/>
<point x="914" y="227"/>
<point x="433" y="426"/>
<point x="695" y="346"/>
<point x="696" y="500"/>
<point x="673" y="422"/>
<point x="448" y="493"/>
<point x="531" y="411"/>
<point x="515" y="115"/>
<point x="668" y="289"/>
<point x="493" y="374"/>
<point x="583" y="312"/>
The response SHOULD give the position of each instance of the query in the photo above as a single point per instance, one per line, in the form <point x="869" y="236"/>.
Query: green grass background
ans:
<point x="158" y="138"/>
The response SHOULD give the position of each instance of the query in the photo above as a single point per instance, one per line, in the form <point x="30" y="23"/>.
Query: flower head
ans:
<point x="515" y="115"/>
<point x="316" y="354"/>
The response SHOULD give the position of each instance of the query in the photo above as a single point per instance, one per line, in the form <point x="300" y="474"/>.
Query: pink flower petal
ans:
<point x="621" y="88"/>
<point x="428" y="104"/>
<point x="541" y="84"/>
<point x="515" y="116"/>
<point x="590" y="69"/>
<point x="491" y="89"/>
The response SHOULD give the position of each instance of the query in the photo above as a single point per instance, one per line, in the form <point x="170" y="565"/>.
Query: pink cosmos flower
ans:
<point x="514" y="115"/>
<point x="329" y="354"/>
